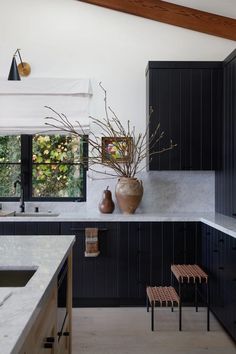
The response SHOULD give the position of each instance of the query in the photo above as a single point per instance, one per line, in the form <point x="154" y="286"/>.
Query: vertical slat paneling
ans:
<point x="164" y="116"/>
<point x="233" y="104"/>
<point x="156" y="253"/>
<point x="206" y="126"/>
<point x="187" y="101"/>
<point x="196" y="117"/>
<point x="186" y="124"/>
<point x="226" y="175"/>
<point x="175" y="155"/>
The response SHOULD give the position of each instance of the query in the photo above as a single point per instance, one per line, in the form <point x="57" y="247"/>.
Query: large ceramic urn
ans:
<point x="129" y="192"/>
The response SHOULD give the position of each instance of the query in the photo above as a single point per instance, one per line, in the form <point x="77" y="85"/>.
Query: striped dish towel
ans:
<point x="91" y="242"/>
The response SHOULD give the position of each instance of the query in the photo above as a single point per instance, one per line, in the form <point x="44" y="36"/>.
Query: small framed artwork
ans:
<point x="117" y="149"/>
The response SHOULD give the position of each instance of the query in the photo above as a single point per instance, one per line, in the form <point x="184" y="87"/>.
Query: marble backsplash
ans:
<point x="164" y="192"/>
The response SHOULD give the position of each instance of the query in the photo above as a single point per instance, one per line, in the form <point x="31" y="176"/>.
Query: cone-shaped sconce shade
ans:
<point x="13" y="74"/>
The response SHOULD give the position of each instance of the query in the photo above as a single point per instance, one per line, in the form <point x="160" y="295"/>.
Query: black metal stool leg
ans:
<point x="152" y="320"/>
<point x="147" y="303"/>
<point x="180" y="316"/>
<point x="196" y="298"/>
<point x="180" y="307"/>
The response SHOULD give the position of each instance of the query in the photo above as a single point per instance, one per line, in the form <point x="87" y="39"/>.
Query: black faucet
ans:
<point x="22" y="200"/>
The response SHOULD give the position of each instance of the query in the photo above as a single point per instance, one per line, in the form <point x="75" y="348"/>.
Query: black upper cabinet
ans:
<point x="226" y="176"/>
<point x="186" y="98"/>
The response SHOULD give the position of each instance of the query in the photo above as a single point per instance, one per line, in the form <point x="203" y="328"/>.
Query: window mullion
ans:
<point x="26" y="165"/>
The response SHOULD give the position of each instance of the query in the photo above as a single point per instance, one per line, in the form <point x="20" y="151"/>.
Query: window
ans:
<point x="49" y="167"/>
<point x="10" y="164"/>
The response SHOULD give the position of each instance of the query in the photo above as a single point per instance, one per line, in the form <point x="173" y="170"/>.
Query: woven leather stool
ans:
<point x="164" y="296"/>
<point x="191" y="273"/>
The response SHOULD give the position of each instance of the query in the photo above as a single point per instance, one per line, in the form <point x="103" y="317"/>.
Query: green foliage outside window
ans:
<point x="10" y="159"/>
<point x="56" y="168"/>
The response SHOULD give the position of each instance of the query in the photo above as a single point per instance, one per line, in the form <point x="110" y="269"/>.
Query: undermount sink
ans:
<point x="16" y="277"/>
<point x="35" y="214"/>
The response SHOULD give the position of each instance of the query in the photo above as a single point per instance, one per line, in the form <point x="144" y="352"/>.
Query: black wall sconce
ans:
<point x="16" y="71"/>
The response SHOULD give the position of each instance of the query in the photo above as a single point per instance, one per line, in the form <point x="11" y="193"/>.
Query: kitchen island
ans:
<point x="23" y="306"/>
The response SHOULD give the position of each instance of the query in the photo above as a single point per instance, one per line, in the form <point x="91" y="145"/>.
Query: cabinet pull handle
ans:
<point x="215" y="251"/>
<point x="75" y="229"/>
<point x="66" y="334"/>
<point x="50" y="339"/>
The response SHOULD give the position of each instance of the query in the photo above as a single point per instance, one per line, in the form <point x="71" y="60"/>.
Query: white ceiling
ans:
<point x="220" y="7"/>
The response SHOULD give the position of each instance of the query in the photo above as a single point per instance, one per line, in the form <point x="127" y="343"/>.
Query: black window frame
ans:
<point x="26" y="175"/>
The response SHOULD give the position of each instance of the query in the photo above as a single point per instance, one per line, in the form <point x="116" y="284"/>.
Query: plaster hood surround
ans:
<point x="23" y="103"/>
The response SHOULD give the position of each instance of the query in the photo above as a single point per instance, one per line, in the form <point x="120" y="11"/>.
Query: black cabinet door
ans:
<point x="173" y="243"/>
<point x="186" y="98"/>
<point x="134" y="262"/>
<point x="219" y="260"/>
<point x="226" y="176"/>
<point x="30" y="228"/>
<point x="95" y="279"/>
<point x="7" y="228"/>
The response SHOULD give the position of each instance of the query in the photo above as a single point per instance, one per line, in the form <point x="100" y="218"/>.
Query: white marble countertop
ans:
<point x="218" y="221"/>
<point x="18" y="312"/>
<point x="88" y="216"/>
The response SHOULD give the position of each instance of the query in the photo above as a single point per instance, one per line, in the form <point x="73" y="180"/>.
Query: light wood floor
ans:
<point x="127" y="331"/>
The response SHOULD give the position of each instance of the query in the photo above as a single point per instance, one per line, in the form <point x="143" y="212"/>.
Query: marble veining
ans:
<point x="164" y="192"/>
<point x="19" y="310"/>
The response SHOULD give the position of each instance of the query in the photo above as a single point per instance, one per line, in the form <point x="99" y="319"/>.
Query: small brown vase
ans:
<point x="129" y="192"/>
<point x="106" y="206"/>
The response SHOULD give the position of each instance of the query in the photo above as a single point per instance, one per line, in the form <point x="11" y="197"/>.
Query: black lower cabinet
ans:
<point x="174" y="243"/>
<point x="136" y="254"/>
<point x="219" y="260"/>
<point x="132" y="256"/>
<point x="95" y="279"/>
<point x="134" y="262"/>
<point x="29" y="228"/>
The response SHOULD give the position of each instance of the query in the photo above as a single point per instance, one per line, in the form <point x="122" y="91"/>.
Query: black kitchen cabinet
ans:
<point x="7" y="228"/>
<point x="186" y="99"/>
<point x="132" y="256"/>
<point x="29" y="228"/>
<point x="173" y="243"/>
<point x="219" y="260"/>
<point x="225" y="181"/>
<point x="95" y="279"/>
<point x="146" y="252"/>
<point x="134" y="262"/>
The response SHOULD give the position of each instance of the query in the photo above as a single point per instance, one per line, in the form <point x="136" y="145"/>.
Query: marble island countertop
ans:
<point x="20" y="306"/>
<point x="220" y="222"/>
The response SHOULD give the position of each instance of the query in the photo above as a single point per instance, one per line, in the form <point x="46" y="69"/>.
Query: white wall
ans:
<point x="68" y="38"/>
<point x="223" y="8"/>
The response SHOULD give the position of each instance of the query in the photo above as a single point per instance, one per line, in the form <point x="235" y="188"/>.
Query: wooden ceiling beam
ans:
<point x="176" y="15"/>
